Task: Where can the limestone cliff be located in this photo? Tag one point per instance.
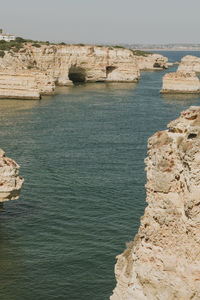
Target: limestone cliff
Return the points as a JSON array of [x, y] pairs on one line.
[[65, 64], [152, 62], [181, 82], [10, 181], [163, 261], [18, 85], [190, 63]]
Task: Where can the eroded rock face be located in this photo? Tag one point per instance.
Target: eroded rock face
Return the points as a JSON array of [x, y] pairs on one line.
[[190, 63], [67, 64], [10, 181], [18, 85], [152, 62], [181, 82], [163, 261]]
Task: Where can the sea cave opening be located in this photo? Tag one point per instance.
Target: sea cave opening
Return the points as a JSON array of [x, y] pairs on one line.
[[157, 65], [77, 74], [109, 69]]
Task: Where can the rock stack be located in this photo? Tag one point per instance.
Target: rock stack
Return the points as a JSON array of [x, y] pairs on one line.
[[163, 261], [190, 63], [181, 82], [185, 80], [10, 181]]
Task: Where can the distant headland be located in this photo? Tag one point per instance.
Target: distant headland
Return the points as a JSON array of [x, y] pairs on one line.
[[165, 47], [30, 69]]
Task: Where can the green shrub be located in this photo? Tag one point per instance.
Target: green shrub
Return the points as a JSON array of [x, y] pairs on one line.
[[2, 53], [140, 52], [15, 49], [20, 40], [36, 45], [118, 46], [7, 46]]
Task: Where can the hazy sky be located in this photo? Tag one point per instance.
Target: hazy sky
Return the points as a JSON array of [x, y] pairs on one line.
[[103, 21]]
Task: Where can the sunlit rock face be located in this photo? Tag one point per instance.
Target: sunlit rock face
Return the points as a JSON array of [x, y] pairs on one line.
[[10, 181], [163, 261], [190, 63], [68, 63], [181, 82], [51, 65], [18, 85]]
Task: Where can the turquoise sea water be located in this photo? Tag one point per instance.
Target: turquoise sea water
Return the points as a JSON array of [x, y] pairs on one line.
[[81, 153]]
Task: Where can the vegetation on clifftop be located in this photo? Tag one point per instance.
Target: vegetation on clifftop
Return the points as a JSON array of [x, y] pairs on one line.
[[135, 52], [140, 52], [12, 45], [2, 53], [19, 42]]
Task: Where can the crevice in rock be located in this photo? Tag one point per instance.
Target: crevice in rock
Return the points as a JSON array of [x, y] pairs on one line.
[[192, 135], [110, 69]]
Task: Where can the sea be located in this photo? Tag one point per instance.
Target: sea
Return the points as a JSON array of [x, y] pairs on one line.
[[81, 153]]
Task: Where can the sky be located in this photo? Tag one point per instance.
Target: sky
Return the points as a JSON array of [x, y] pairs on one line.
[[103, 21]]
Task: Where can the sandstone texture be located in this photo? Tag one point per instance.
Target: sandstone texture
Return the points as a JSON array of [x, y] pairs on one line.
[[152, 62], [49, 65], [10, 181], [189, 63], [163, 261], [18, 85], [181, 82]]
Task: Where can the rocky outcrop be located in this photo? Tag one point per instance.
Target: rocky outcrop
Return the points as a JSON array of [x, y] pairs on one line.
[[163, 261], [181, 82], [67, 64], [190, 63], [152, 62], [10, 181]]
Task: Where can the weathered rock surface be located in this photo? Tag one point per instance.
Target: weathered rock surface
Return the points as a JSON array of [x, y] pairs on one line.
[[64, 64], [18, 85], [163, 261], [181, 82], [10, 181], [190, 63], [170, 64], [152, 62]]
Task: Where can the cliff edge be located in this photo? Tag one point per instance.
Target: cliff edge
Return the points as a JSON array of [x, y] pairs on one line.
[[163, 261]]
